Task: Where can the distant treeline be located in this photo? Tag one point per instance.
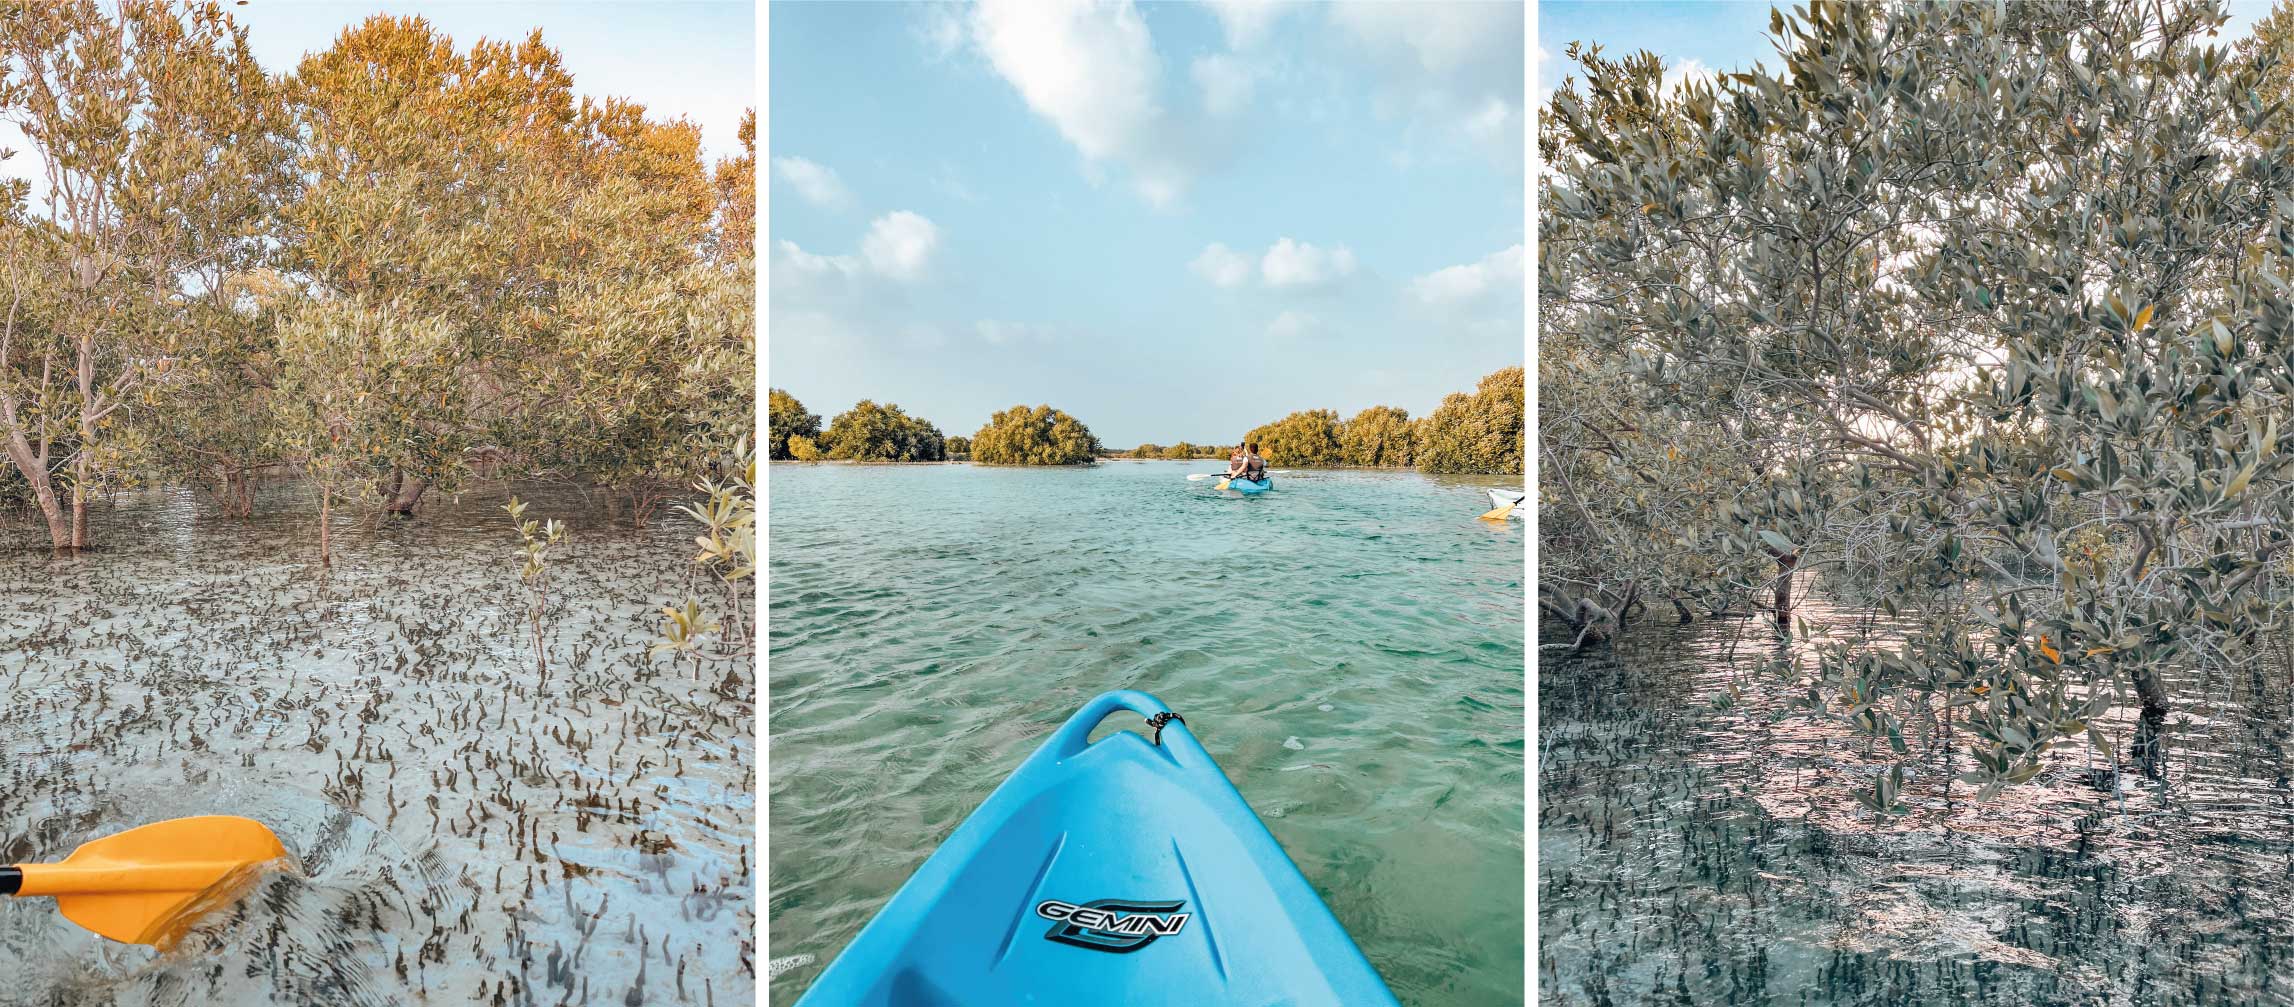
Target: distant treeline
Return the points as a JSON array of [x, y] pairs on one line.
[[869, 432], [1179, 451], [1478, 432]]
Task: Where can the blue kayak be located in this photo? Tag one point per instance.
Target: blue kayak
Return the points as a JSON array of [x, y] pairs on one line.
[[1121, 871], [1249, 487]]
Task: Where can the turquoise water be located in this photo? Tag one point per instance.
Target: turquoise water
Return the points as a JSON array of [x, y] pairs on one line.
[[1350, 647]]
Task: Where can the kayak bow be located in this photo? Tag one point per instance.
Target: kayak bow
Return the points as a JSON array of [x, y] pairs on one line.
[[1117, 871]]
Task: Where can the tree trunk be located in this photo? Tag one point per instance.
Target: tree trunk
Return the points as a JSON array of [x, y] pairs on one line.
[[2150, 724], [35, 472], [238, 492], [80, 466], [326, 521], [59, 533], [642, 503], [1587, 622], [403, 505], [230, 490], [1784, 568], [79, 507]]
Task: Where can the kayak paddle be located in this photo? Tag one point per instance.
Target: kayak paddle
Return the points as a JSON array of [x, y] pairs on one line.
[[148, 884], [1500, 513]]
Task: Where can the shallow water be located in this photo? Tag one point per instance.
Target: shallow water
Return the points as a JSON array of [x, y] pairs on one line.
[[467, 830], [1700, 854], [1348, 646]]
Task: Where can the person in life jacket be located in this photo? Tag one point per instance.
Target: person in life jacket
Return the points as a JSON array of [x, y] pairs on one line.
[[1246, 463]]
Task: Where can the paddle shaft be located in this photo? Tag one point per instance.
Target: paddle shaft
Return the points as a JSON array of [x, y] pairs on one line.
[[72, 879]]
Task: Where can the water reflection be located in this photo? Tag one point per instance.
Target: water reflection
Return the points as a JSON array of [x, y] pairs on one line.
[[1707, 851]]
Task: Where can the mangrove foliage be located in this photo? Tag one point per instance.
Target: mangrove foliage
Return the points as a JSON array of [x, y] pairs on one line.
[[404, 264], [1979, 314]]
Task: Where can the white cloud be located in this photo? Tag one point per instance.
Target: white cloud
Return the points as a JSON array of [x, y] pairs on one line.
[[1290, 325], [1226, 83], [1456, 65], [1497, 121], [1088, 68], [899, 245], [1160, 188], [1443, 38], [1288, 263], [1497, 273], [1298, 264], [1222, 266], [1683, 73], [1093, 76], [1246, 21], [817, 183], [942, 30], [799, 263], [1007, 333]]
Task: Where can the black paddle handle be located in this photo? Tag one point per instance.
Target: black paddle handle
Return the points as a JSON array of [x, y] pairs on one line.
[[11, 879]]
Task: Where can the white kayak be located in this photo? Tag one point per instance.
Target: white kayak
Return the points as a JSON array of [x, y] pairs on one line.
[[1501, 497]]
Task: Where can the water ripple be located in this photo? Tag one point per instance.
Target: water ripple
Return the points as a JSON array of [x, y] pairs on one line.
[[929, 623], [466, 831]]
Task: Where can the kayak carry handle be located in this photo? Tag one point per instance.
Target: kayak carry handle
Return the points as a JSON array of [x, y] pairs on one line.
[[1075, 735]]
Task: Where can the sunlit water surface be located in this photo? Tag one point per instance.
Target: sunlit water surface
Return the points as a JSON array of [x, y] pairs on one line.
[[1695, 853], [467, 830], [1349, 647]]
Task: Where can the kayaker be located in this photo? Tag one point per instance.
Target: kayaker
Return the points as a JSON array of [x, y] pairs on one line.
[[1246, 463]]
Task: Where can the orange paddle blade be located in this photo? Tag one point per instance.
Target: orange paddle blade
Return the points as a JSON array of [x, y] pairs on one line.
[[149, 884]]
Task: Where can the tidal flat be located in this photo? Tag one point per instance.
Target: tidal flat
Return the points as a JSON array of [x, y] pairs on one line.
[[467, 827]]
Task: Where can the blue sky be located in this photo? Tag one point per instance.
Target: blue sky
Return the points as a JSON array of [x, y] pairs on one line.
[[1175, 221], [1699, 37], [683, 59]]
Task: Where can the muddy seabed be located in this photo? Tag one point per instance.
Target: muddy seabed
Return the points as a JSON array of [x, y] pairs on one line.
[[467, 828]]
